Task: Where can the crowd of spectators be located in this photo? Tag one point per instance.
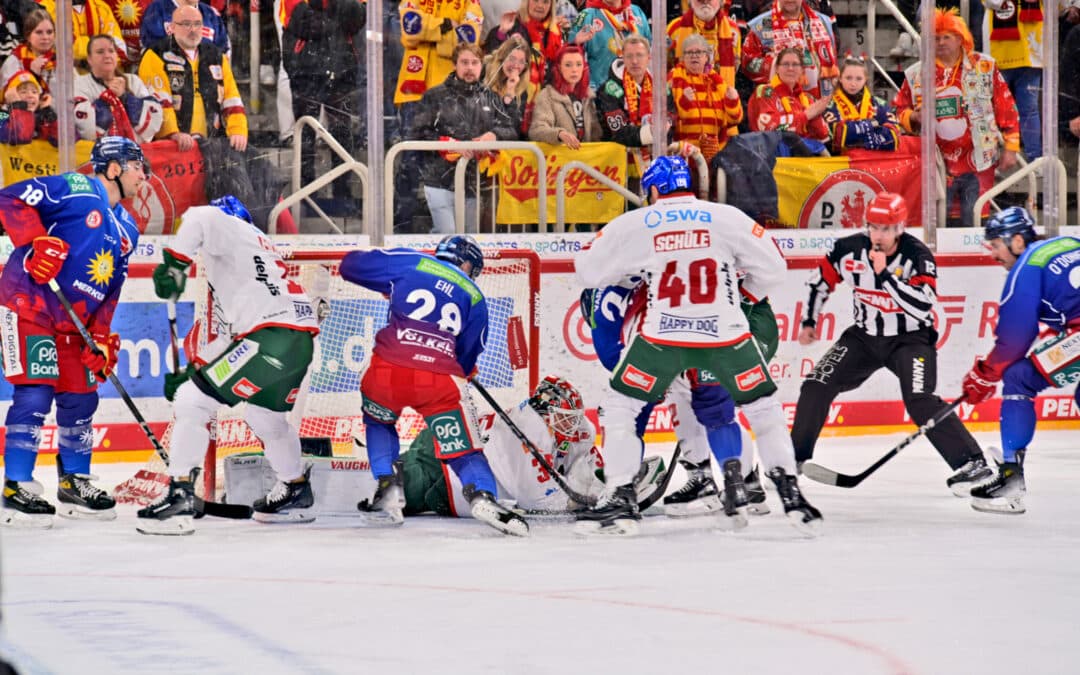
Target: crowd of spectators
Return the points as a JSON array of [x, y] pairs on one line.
[[563, 72]]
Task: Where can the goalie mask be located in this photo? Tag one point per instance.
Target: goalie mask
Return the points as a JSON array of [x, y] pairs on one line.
[[561, 406]]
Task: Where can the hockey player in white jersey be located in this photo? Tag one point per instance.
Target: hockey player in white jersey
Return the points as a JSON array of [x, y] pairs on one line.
[[553, 419], [262, 353], [686, 315]]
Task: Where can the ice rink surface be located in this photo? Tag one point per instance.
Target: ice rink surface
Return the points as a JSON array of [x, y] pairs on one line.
[[906, 579]]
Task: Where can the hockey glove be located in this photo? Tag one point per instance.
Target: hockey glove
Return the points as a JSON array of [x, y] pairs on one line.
[[980, 383], [174, 380], [46, 259], [102, 360], [170, 277]]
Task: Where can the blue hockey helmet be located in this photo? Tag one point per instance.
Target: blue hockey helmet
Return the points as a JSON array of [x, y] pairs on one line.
[[667, 173], [108, 149], [459, 249], [1013, 220], [232, 206]]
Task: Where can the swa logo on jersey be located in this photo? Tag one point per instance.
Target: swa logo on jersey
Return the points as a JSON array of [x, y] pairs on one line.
[[655, 218], [681, 241]]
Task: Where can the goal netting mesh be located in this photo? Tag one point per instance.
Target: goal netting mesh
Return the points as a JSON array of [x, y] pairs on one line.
[[328, 408]]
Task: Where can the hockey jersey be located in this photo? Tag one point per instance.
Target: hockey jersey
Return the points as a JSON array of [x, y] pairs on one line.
[[241, 260], [438, 317], [690, 253], [899, 300], [1042, 287], [75, 208]]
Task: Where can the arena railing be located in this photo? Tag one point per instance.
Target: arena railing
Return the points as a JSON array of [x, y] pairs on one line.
[[302, 193], [1029, 172]]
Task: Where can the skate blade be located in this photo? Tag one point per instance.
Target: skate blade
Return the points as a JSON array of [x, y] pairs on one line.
[[489, 514], [810, 529], [698, 507], [381, 519], [625, 527], [734, 522], [759, 509], [76, 512], [962, 489], [177, 526], [291, 516], [1012, 506], [25, 521]]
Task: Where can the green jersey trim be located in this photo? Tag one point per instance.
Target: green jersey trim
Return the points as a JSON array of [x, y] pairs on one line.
[[453, 276]]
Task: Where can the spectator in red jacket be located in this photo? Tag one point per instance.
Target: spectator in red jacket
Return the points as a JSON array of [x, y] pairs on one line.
[[27, 112], [782, 105]]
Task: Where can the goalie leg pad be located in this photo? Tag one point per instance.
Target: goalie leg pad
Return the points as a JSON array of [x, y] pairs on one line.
[[74, 412]]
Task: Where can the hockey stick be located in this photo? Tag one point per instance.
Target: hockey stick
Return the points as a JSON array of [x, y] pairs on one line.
[[237, 511], [573, 494], [664, 482], [173, 339], [830, 477]]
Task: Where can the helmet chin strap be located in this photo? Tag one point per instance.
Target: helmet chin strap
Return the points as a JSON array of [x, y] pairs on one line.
[[119, 185]]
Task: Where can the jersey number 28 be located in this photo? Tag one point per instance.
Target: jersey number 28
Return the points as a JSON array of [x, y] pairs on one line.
[[449, 319]]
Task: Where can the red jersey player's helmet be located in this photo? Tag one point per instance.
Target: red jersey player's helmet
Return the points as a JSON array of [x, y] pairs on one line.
[[887, 208], [561, 406]]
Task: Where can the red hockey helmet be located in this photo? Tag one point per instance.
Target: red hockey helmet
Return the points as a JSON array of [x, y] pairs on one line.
[[887, 208], [561, 406]]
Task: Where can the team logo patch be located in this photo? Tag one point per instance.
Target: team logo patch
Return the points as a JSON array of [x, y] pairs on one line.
[[638, 379], [41, 360], [245, 388], [411, 23], [215, 72], [93, 219], [855, 266], [415, 64], [101, 268], [750, 379], [466, 33], [450, 433], [758, 231]]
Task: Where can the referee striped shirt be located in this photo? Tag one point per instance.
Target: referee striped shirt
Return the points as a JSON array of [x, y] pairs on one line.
[[897, 301]]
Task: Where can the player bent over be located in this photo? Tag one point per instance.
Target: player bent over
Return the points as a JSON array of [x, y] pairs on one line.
[[688, 253], [262, 361], [1043, 286], [436, 331], [894, 279], [70, 228], [553, 418]]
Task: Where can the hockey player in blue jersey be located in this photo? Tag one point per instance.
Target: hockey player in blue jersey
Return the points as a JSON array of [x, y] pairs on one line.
[[1043, 286], [71, 228], [437, 327]]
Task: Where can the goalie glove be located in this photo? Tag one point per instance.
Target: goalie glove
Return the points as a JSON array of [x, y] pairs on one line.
[[170, 277], [47, 257], [100, 358]]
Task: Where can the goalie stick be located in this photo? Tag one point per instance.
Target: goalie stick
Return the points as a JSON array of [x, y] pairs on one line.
[[829, 477], [236, 511]]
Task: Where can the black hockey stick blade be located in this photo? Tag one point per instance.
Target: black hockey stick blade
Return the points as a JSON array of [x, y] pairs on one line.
[[664, 482], [220, 510], [827, 476]]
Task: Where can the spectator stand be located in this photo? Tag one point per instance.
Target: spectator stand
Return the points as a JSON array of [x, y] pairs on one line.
[[303, 193]]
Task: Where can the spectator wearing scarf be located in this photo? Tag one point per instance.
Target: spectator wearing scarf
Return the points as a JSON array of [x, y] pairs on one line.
[[430, 31], [601, 28], [625, 101], [792, 23], [857, 118], [783, 105], [565, 110], [109, 102], [90, 17], [709, 19], [706, 105], [36, 54], [537, 24]]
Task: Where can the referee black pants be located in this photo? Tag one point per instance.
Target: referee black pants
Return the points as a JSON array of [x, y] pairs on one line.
[[912, 357]]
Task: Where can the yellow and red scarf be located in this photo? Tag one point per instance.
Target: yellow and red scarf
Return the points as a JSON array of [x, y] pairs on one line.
[[1005, 23], [807, 30]]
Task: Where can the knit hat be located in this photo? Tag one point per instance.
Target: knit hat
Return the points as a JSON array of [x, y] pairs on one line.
[[20, 78], [950, 21]]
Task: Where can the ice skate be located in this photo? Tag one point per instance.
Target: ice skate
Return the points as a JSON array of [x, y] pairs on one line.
[[80, 500], [755, 494], [487, 510], [734, 497], [24, 509], [698, 496], [172, 514], [802, 515], [287, 503], [615, 514], [972, 473], [387, 507], [1004, 492]]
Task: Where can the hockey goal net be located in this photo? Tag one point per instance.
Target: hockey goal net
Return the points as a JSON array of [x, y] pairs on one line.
[[328, 408]]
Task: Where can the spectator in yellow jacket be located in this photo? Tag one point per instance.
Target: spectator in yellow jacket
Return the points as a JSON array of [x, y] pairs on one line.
[[90, 18]]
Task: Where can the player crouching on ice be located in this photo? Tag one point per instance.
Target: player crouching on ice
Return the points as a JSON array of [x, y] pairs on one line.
[[72, 231], [689, 254], [262, 362], [435, 333], [1043, 286], [553, 419]]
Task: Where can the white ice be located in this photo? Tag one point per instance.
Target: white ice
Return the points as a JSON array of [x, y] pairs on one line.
[[906, 579]]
